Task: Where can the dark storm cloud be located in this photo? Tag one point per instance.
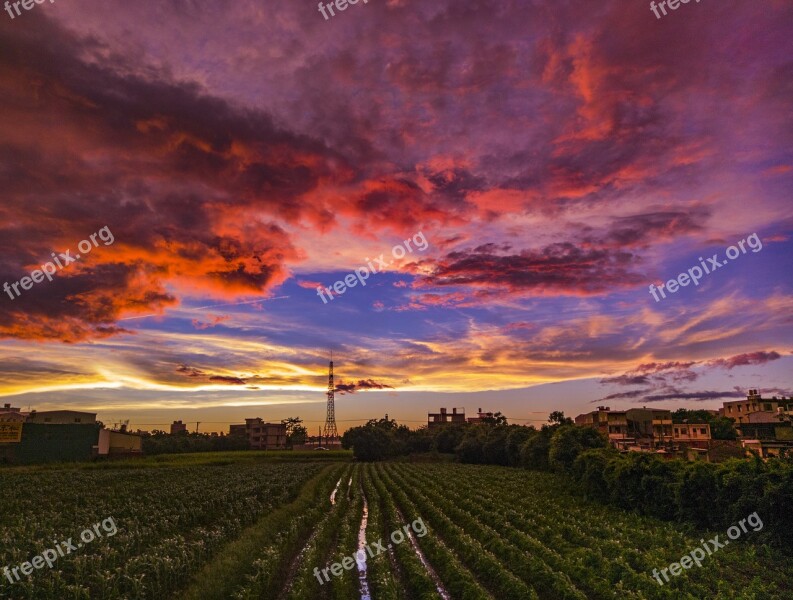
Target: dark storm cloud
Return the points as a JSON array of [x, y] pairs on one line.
[[561, 268], [362, 384], [699, 396], [184, 165]]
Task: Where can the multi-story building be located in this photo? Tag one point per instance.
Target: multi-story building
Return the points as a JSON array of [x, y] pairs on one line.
[[445, 418], [261, 435], [617, 424], [651, 427], [767, 433], [765, 425], [178, 427], [741, 409], [635, 428], [596, 418], [693, 435]]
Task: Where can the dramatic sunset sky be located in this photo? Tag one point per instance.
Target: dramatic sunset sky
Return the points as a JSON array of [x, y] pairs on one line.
[[558, 157]]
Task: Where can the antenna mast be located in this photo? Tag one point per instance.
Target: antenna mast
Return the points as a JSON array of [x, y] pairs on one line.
[[330, 420]]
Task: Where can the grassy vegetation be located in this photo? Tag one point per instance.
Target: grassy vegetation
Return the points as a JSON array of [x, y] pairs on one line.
[[275, 537], [194, 459], [249, 525]]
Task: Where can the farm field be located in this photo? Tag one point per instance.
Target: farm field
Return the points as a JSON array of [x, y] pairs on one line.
[[248, 526]]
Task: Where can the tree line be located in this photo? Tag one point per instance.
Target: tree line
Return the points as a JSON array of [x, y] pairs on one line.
[[706, 495]]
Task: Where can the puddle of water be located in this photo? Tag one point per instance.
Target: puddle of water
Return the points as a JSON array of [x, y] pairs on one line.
[[363, 584], [333, 494], [430, 571]]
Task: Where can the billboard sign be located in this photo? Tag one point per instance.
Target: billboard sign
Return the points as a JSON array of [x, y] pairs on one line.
[[10, 432]]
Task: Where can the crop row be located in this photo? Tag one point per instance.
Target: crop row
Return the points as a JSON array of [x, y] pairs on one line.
[[170, 522], [564, 547]]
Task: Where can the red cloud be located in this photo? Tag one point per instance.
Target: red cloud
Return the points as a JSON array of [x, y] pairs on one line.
[[211, 323], [740, 360]]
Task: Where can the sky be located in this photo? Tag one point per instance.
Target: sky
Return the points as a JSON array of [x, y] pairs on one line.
[[508, 179]]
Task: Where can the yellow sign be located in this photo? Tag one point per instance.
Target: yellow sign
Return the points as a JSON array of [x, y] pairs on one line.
[[10, 432]]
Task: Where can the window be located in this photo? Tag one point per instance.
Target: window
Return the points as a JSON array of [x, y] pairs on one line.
[[703, 431], [677, 431]]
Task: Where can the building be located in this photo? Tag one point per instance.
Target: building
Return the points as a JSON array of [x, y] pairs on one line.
[[261, 435], [480, 417], [597, 419], [768, 448], [633, 429], [12, 414], [741, 409], [118, 444], [612, 423], [178, 427], [651, 427], [60, 435], [617, 423], [45, 442], [778, 430], [765, 425], [692, 435], [445, 418], [62, 417]]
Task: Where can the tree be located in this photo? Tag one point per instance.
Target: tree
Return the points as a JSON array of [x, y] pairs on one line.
[[721, 428], [568, 441], [495, 446], [384, 422], [369, 442], [517, 436], [449, 437], [557, 418], [296, 433], [534, 452], [497, 419], [470, 448]]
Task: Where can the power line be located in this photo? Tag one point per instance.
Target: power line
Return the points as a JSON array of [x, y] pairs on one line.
[[362, 419]]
